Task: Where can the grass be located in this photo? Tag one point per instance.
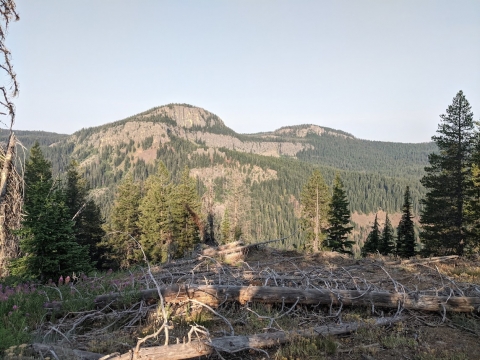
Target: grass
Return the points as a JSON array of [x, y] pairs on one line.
[[307, 348], [467, 322], [22, 305], [467, 273], [445, 355]]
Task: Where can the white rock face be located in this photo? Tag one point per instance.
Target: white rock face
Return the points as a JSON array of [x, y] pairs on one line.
[[185, 116]]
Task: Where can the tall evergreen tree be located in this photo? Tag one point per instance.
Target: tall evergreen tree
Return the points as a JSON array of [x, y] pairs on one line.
[[85, 213], [186, 210], [225, 232], [123, 224], [473, 205], [155, 220], [47, 239], [238, 205], [405, 230], [373, 239], [387, 241], [339, 219], [315, 200], [208, 198], [448, 181]]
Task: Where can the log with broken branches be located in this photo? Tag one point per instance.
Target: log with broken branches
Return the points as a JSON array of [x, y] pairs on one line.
[[237, 247], [422, 261], [214, 295], [233, 344]]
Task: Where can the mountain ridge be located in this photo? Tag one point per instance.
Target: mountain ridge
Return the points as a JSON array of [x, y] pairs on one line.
[[271, 167]]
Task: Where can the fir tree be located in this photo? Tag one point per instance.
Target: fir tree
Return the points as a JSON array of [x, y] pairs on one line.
[[387, 241], [123, 224], [186, 207], [155, 219], [448, 182], [47, 239], [339, 219], [473, 204], [315, 200], [373, 240], [38, 176], [208, 198], [225, 232], [85, 213], [405, 230]]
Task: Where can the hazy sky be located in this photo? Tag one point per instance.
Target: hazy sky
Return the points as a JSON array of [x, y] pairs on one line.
[[381, 70]]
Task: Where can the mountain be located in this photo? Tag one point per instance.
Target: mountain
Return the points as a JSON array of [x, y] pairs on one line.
[[269, 167], [28, 138]]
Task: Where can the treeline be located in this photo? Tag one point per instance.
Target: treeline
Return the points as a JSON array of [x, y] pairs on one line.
[[62, 228], [161, 216], [160, 212], [386, 158], [28, 138], [274, 203], [450, 217]]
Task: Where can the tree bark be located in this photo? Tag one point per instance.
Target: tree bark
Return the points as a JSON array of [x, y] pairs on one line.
[[214, 295]]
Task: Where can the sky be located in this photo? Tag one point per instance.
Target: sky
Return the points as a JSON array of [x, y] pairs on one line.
[[381, 70]]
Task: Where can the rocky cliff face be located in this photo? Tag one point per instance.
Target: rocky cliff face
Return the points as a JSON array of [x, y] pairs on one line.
[[185, 116], [303, 130], [195, 125], [267, 148]]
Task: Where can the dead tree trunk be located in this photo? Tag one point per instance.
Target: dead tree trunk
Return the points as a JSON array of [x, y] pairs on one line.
[[8, 246], [233, 344], [214, 295]]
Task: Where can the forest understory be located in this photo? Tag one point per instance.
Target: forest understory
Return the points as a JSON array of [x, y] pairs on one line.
[[242, 302]]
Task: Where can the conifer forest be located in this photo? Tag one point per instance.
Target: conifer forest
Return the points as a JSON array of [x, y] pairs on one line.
[[189, 193]]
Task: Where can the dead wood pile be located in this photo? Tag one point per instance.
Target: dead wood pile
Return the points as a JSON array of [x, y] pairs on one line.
[[233, 344], [294, 283]]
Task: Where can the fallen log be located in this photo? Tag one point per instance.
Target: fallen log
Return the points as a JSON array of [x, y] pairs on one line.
[[422, 261], [64, 353], [235, 247], [233, 344], [214, 295]]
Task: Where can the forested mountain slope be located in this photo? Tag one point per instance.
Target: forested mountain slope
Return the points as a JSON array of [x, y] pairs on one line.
[[28, 138], [261, 174], [343, 151]]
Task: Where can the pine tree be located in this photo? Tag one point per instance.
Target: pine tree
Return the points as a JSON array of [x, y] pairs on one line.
[[47, 239], [85, 213], [373, 239], [225, 232], [123, 225], [405, 230], [186, 207], [448, 181], [315, 200], [38, 176], [238, 204], [339, 219], [155, 219], [387, 241], [208, 198], [473, 204]]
